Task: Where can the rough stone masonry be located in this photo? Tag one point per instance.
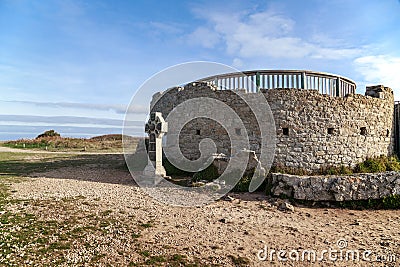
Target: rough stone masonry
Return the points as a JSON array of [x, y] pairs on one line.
[[313, 130], [336, 188]]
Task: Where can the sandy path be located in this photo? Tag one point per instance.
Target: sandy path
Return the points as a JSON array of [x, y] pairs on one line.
[[17, 150], [240, 227]]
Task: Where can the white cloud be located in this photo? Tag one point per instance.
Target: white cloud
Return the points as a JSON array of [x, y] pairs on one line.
[[168, 28], [120, 109], [380, 69], [204, 37], [237, 63], [268, 34], [24, 119]]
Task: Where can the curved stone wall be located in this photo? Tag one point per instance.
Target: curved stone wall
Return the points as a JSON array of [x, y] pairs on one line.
[[312, 130]]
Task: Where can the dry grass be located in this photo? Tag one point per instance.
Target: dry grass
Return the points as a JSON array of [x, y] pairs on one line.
[[105, 143]]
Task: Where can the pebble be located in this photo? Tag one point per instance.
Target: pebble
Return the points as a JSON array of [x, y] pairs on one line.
[[284, 206]]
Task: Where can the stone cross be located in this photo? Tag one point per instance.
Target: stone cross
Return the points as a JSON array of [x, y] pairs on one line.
[[156, 127]]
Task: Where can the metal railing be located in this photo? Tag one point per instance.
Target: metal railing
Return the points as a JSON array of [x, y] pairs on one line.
[[253, 81]]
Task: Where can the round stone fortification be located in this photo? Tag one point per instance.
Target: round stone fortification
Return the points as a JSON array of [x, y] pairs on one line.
[[312, 130]]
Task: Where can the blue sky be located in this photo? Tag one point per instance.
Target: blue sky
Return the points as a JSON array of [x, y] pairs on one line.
[[87, 58]]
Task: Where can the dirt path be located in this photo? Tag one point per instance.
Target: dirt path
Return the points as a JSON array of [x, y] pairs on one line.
[[17, 150], [226, 233]]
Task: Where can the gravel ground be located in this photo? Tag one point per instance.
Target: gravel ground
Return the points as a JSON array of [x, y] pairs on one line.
[[229, 232]]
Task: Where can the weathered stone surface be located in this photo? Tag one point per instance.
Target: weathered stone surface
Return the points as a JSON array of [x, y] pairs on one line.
[[322, 130], [156, 127], [336, 188]]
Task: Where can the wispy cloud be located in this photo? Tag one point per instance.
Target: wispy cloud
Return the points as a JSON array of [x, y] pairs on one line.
[[165, 27], [28, 126], [117, 108], [60, 120], [265, 34], [205, 37], [383, 69]]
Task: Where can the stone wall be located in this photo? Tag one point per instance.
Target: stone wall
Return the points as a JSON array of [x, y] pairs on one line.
[[336, 188], [312, 130], [326, 130]]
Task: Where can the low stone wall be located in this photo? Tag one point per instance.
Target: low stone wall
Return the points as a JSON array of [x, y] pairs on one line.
[[336, 188]]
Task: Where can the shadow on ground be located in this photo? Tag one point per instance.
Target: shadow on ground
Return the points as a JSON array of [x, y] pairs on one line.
[[105, 168], [102, 168]]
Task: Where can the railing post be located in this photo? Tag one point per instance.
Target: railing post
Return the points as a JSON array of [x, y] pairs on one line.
[[338, 86], [258, 82], [303, 80]]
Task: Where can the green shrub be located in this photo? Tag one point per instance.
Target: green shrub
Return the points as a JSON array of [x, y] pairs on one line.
[[333, 170], [49, 133], [370, 165], [171, 170], [208, 174], [243, 184], [388, 202], [378, 164], [391, 202], [288, 170], [392, 164], [361, 204]]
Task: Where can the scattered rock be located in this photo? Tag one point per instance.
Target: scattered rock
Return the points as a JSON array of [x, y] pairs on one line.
[[384, 244], [284, 206], [356, 222], [198, 184], [228, 198], [213, 186]]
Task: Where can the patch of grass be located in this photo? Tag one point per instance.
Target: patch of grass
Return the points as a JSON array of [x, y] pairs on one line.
[[108, 143], [370, 165], [362, 204], [146, 225], [388, 202], [279, 168], [239, 261], [243, 184], [172, 260], [135, 235], [25, 237], [178, 257], [208, 174], [155, 259], [391, 202], [97, 257], [145, 253], [334, 170], [106, 212], [171, 170], [59, 245], [378, 164], [23, 164]]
